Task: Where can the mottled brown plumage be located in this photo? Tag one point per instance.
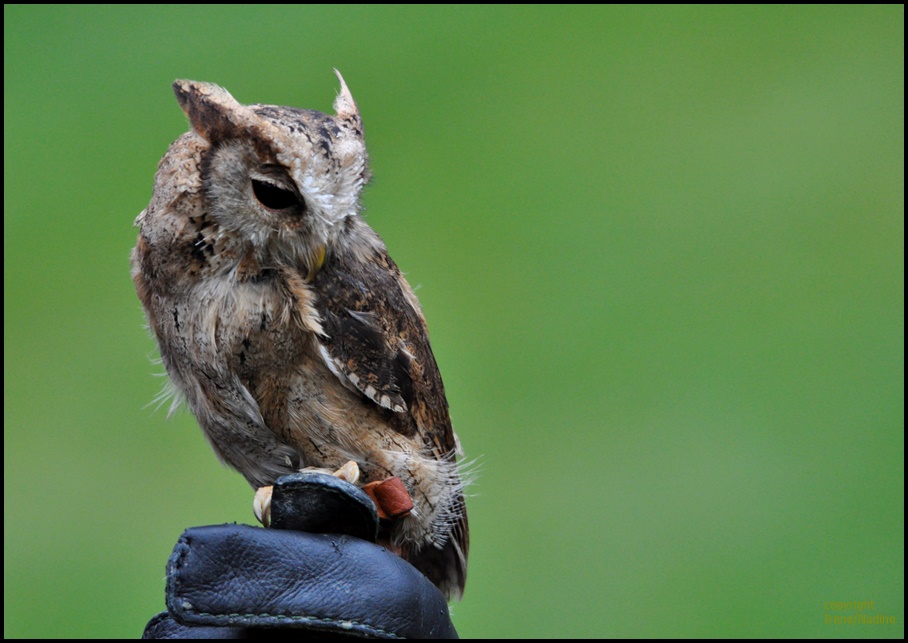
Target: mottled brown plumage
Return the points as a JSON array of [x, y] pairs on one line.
[[283, 321]]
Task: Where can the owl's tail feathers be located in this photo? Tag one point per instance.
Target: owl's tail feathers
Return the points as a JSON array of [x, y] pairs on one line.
[[446, 566]]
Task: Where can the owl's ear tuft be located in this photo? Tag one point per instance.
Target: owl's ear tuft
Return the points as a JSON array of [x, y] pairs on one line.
[[344, 105], [213, 113]]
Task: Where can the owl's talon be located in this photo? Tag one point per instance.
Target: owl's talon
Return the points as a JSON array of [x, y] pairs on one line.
[[261, 505], [348, 473]]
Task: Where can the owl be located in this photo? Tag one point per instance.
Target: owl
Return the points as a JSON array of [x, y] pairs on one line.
[[283, 322]]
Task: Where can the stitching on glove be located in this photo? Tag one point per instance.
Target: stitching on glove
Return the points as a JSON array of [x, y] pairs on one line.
[[185, 546], [280, 618]]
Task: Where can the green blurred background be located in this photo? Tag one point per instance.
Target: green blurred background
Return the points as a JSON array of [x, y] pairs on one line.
[[660, 250]]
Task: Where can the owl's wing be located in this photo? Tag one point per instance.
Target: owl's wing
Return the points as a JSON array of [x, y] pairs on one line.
[[375, 338]]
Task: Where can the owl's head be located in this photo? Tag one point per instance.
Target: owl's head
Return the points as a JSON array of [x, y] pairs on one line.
[[279, 176]]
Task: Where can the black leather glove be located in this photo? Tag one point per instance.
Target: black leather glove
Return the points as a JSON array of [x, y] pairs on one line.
[[314, 570]]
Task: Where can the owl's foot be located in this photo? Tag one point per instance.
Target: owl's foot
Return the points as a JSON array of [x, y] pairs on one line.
[[261, 505], [390, 496]]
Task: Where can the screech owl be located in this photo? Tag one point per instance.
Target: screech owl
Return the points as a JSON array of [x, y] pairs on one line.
[[284, 323]]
